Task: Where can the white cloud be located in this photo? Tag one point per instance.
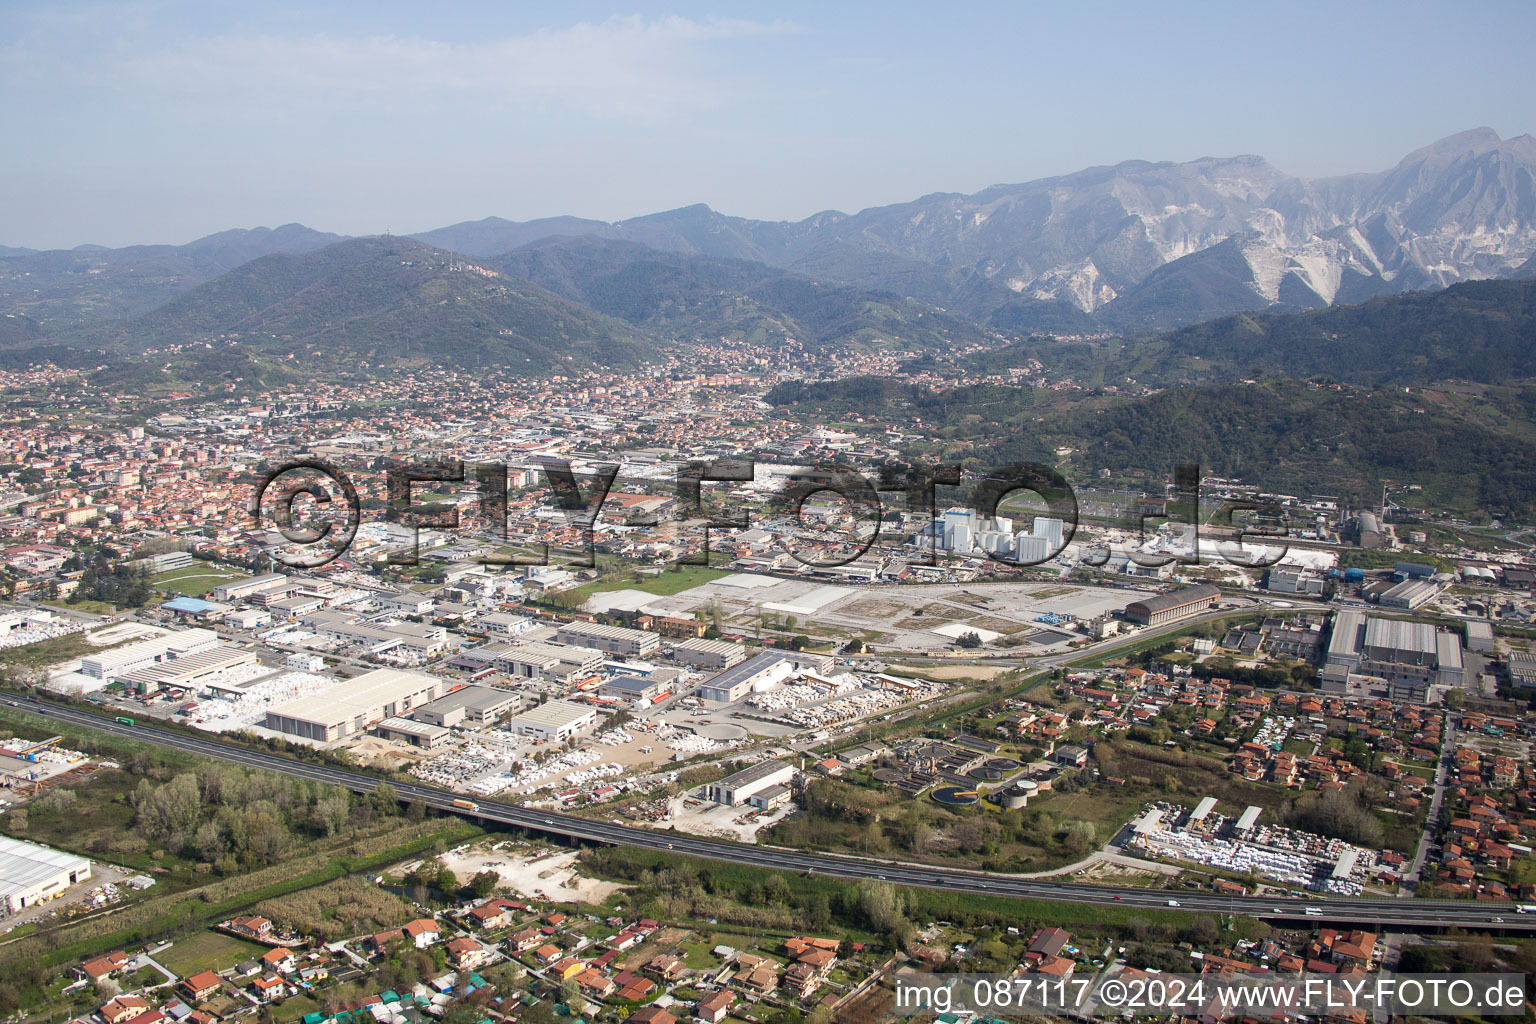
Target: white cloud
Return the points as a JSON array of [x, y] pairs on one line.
[[624, 67]]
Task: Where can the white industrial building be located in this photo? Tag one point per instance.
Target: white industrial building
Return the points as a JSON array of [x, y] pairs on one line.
[[1409, 656], [765, 670], [620, 640], [711, 655], [236, 589], [477, 705], [558, 662], [763, 781], [351, 707], [120, 661], [30, 874], [554, 720]]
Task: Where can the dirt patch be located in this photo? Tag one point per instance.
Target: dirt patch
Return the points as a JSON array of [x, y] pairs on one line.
[[549, 875], [1119, 874], [945, 673]]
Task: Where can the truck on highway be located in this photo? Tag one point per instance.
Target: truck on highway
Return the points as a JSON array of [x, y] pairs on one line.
[[125, 721], [467, 805], [1526, 908]]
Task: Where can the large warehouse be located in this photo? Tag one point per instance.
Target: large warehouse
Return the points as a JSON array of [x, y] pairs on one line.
[[757, 780], [30, 873], [119, 661], [1410, 656], [350, 707], [766, 669], [554, 720], [712, 655], [477, 705], [1180, 604], [620, 640]]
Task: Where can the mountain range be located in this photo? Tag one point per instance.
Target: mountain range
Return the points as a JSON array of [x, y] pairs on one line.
[[1123, 250], [1136, 245]]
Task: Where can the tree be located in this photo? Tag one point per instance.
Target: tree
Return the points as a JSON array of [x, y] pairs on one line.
[[484, 883], [386, 799], [333, 810], [570, 995], [969, 641]]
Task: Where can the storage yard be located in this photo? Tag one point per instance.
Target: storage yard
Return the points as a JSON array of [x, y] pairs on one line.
[[1282, 856]]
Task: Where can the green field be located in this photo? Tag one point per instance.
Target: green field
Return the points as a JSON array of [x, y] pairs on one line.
[[208, 951], [194, 580], [663, 584], [49, 652]]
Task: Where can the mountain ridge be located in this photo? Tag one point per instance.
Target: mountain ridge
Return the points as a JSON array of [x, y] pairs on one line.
[[1121, 247]]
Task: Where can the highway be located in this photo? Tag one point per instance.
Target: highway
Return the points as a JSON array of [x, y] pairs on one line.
[[1373, 913]]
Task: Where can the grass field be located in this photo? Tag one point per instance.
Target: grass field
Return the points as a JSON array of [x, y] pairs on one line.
[[662, 584], [211, 951], [49, 652], [194, 580]]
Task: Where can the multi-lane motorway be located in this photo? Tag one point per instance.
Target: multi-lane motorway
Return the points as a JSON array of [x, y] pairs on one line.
[[1379, 913]]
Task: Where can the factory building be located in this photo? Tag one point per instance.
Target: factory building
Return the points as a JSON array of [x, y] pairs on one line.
[[1293, 580], [763, 781], [417, 734], [554, 720], [188, 671], [30, 874], [477, 705], [349, 708], [412, 637], [237, 589], [640, 691], [710, 655], [1480, 636], [118, 662], [1369, 530], [1409, 594], [1180, 604], [1397, 642], [557, 662], [503, 624], [1347, 639], [1409, 656], [766, 669], [620, 640]]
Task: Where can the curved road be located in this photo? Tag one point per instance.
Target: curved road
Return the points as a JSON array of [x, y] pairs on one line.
[[1398, 914]]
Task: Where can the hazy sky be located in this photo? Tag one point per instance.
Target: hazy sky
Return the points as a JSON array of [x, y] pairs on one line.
[[161, 121]]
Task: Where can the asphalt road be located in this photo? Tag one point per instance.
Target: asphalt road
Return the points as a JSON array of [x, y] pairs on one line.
[[1378, 913]]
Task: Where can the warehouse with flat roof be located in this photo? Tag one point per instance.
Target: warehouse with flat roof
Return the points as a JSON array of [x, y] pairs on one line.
[[766, 668], [554, 720], [1406, 643], [749, 782], [30, 874], [118, 662], [1171, 607], [417, 734], [190, 671], [350, 707], [557, 662], [1347, 639], [711, 655], [1409, 594], [620, 640], [477, 705]]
